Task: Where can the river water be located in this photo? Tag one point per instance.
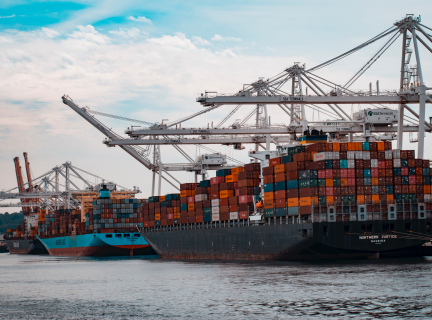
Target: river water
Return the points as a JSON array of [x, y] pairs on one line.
[[45, 287]]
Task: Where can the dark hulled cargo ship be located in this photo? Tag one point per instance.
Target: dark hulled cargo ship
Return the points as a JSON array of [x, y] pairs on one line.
[[321, 201]]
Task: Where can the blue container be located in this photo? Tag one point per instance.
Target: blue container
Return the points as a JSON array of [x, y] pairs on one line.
[[183, 206], [405, 180], [397, 171], [404, 163], [398, 197], [286, 159], [343, 164], [163, 204], [329, 164], [411, 172], [220, 173], [427, 180], [367, 181], [426, 171], [281, 212], [367, 173], [207, 218], [346, 209], [269, 213], [157, 223], [168, 203], [173, 196], [269, 187], [205, 183], [292, 184], [278, 186], [389, 189], [256, 190], [293, 211], [365, 146], [375, 190]]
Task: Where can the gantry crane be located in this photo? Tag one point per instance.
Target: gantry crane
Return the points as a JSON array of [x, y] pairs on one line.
[[294, 90]]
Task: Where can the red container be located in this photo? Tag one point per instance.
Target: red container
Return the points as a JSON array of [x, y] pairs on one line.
[[321, 174], [351, 173], [374, 172], [381, 164], [344, 173], [329, 191], [329, 173], [404, 171], [274, 161], [280, 203], [243, 215], [360, 181], [246, 199], [351, 182], [293, 193], [412, 179]]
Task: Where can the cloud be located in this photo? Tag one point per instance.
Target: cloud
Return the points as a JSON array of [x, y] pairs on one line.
[[7, 17], [218, 37], [140, 19], [132, 33], [200, 41]]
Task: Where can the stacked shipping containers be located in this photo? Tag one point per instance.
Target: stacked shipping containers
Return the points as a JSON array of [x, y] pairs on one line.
[[343, 173]]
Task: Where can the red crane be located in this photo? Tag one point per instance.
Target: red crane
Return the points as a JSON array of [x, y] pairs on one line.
[[20, 180], [29, 180]]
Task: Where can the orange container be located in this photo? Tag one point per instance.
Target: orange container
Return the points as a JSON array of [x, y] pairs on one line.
[[375, 198], [336, 146], [305, 201], [344, 182], [330, 199], [231, 178], [329, 182], [374, 181], [314, 200], [237, 170], [186, 193], [176, 210], [268, 204], [279, 168], [351, 146], [390, 198], [191, 206], [380, 146], [163, 198], [293, 202], [360, 199], [157, 216], [427, 189], [279, 177], [268, 196], [358, 146], [226, 193]]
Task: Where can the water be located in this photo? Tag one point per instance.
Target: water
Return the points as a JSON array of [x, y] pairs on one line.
[[44, 287]]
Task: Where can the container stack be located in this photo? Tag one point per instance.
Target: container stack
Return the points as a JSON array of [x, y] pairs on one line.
[[202, 201], [187, 202], [343, 173], [172, 208]]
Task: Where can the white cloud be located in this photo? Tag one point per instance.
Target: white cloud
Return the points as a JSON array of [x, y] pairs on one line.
[[7, 17], [218, 37], [132, 33], [200, 41], [140, 19]]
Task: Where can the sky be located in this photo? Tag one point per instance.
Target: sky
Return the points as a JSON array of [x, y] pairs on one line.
[[149, 60]]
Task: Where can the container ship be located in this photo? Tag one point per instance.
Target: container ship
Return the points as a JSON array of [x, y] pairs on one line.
[[109, 228], [322, 200]]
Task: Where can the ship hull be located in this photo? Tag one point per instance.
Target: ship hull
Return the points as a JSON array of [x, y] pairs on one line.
[[97, 245], [26, 246], [308, 241]]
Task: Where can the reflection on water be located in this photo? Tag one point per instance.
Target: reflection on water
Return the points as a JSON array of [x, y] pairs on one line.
[[44, 287]]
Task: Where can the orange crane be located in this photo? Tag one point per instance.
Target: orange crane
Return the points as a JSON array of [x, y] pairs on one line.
[[20, 180], [29, 180]]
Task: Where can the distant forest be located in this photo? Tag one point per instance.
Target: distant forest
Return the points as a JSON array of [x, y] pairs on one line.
[[10, 221]]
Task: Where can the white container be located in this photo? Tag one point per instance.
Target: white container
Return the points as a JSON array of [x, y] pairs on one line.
[[396, 154], [396, 163], [215, 203], [200, 197], [427, 197], [234, 216], [216, 217], [215, 210], [366, 155], [320, 156], [374, 163], [336, 155], [359, 155], [388, 154], [350, 155], [329, 155], [351, 164]]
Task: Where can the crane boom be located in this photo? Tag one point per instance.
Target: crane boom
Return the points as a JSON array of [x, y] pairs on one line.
[[20, 182]]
